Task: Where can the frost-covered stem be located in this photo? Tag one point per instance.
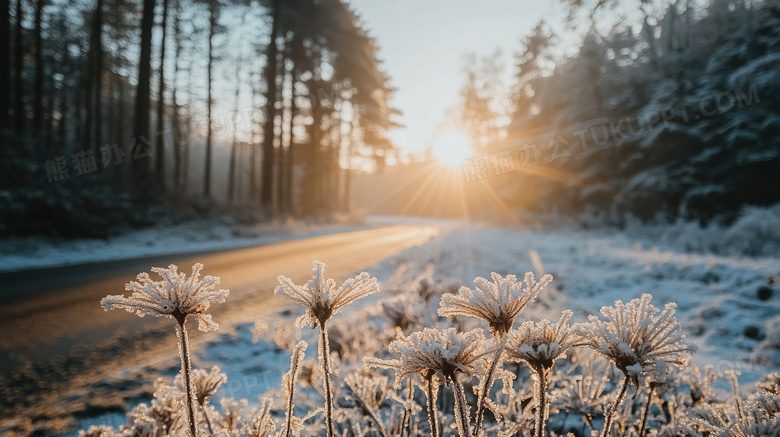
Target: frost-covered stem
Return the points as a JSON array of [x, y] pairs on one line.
[[289, 416], [612, 408], [646, 411], [208, 418], [732, 377], [406, 423], [487, 385], [541, 401], [186, 370], [461, 408], [430, 396], [298, 351], [325, 361]]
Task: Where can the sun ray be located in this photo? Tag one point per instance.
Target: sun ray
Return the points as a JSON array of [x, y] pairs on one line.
[[419, 191]]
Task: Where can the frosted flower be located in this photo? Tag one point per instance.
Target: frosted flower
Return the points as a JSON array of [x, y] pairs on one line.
[[498, 302], [402, 311], [435, 352], [583, 395], [166, 414], [755, 424], [175, 296], [320, 296], [206, 383], [770, 383], [370, 387], [232, 410], [541, 343], [700, 383], [262, 424], [98, 431], [723, 422], [634, 338]]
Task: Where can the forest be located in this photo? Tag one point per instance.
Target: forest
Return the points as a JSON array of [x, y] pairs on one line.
[[664, 111], [105, 108]]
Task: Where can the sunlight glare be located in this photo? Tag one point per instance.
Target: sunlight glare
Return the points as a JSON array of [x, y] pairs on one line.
[[452, 147]]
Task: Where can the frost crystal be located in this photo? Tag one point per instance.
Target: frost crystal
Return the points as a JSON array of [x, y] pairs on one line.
[[320, 296], [635, 338], [175, 296], [498, 302], [436, 352], [541, 343]]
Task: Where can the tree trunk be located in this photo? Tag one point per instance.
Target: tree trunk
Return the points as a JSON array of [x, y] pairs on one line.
[[234, 144], [279, 139], [62, 129], [5, 61], [142, 98], [38, 84], [177, 144], [19, 116], [266, 194], [346, 206], [159, 134], [96, 74], [254, 192], [650, 35], [212, 29], [289, 163]]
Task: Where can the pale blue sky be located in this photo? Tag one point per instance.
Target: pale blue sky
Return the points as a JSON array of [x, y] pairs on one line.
[[422, 45]]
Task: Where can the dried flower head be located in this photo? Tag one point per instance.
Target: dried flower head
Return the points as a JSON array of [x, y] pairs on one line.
[[402, 311], [320, 296], [541, 343], [435, 352], [770, 383], [371, 388], [498, 302], [634, 338], [165, 415], [583, 395], [232, 412], [206, 383], [175, 296], [262, 423], [98, 431]]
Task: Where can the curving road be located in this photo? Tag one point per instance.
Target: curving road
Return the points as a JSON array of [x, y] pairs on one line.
[[56, 338]]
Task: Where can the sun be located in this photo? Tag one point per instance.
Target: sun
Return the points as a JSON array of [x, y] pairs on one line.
[[452, 147]]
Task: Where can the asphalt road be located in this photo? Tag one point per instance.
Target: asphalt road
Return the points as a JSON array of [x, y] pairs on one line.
[[55, 338]]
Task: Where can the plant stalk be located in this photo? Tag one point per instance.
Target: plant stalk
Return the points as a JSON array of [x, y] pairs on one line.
[[612, 408], [406, 423], [461, 408], [487, 385], [208, 419], [541, 401], [186, 370], [433, 421], [325, 358], [646, 411]]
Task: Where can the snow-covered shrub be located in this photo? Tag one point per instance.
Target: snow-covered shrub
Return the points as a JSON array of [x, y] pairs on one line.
[[755, 232]]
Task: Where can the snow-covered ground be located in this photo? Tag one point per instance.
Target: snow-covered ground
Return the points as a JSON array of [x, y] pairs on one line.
[[190, 237], [719, 304]]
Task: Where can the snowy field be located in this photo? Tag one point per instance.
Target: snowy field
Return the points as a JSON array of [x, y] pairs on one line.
[[727, 305]]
